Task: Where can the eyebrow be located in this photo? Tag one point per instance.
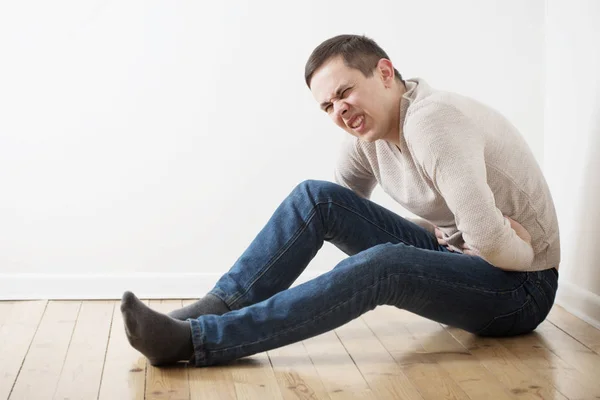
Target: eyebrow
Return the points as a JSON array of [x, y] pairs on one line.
[[338, 92]]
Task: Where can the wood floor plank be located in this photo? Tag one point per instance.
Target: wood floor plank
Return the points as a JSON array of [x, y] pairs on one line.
[[21, 321], [297, 376], [575, 354], [577, 328], [340, 376], [82, 370], [535, 352], [5, 310], [254, 378], [213, 383], [167, 382], [566, 379], [124, 374], [40, 372], [462, 366], [248, 378], [424, 371], [56, 350], [378, 367], [507, 367]]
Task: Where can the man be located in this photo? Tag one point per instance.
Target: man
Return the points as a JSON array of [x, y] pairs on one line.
[[460, 165]]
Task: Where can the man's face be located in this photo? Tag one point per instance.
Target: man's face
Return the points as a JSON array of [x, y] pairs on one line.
[[359, 105]]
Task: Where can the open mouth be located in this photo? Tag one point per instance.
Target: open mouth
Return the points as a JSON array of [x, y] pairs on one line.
[[357, 122]]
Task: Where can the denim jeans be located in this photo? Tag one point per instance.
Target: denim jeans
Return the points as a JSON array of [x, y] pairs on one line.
[[391, 261]]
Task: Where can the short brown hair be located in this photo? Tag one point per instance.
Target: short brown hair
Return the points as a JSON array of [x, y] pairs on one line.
[[358, 52]]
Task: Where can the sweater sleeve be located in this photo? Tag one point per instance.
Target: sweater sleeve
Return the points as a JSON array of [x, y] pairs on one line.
[[451, 152], [423, 223], [351, 171]]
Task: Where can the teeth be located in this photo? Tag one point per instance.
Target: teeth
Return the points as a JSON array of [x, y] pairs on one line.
[[357, 122]]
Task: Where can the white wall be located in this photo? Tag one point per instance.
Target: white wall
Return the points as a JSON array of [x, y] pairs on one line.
[[572, 145], [144, 144]]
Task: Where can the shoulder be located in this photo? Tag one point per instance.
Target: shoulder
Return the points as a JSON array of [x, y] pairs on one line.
[[438, 123], [438, 126], [435, 109], [438, 116]]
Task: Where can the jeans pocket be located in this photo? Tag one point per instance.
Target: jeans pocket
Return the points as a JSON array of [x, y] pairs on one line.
[[514, 323]]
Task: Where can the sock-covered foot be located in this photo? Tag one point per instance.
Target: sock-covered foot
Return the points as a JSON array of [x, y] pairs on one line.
[[162, 339], [209, 304]]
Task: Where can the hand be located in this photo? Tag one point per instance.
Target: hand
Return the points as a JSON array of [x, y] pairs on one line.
[[440, 237], [466, 249], [520, 231]]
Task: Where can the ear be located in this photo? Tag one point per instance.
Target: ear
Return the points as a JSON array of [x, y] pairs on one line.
[[386, 71]]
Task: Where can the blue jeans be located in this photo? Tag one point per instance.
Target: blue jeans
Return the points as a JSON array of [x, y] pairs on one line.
[[391, 261]]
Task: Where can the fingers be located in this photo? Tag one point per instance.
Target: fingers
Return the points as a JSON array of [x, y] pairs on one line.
[[440, 237], [464, 248]]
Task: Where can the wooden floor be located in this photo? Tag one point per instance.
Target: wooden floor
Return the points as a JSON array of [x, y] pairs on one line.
[[78, 350]]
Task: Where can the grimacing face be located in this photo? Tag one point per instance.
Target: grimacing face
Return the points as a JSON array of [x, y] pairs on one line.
[[364, 107]]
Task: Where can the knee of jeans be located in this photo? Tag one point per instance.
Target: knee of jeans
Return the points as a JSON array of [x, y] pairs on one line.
[[375, 259], [401, 257], [390, 249], [313, 188]]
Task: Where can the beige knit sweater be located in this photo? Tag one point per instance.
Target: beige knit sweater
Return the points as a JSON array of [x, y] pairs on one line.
[[461, 166]]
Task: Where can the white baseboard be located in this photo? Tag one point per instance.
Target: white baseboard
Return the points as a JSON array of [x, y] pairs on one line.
[[579, 302], [112, 286]]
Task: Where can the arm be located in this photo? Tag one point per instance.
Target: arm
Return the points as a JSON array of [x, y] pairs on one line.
[[423, 223], [451, 152], [351, 172]]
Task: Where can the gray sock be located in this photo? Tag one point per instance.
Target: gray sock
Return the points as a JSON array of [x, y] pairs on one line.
[[162, 339], [209, 304]]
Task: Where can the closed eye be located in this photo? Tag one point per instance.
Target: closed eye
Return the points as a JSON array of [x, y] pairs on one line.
[[341, 95]]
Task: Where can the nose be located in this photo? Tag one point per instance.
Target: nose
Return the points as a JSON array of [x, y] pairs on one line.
[[340, 107]]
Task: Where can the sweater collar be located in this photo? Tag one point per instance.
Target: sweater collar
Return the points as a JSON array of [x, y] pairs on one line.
[[411, 86]]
